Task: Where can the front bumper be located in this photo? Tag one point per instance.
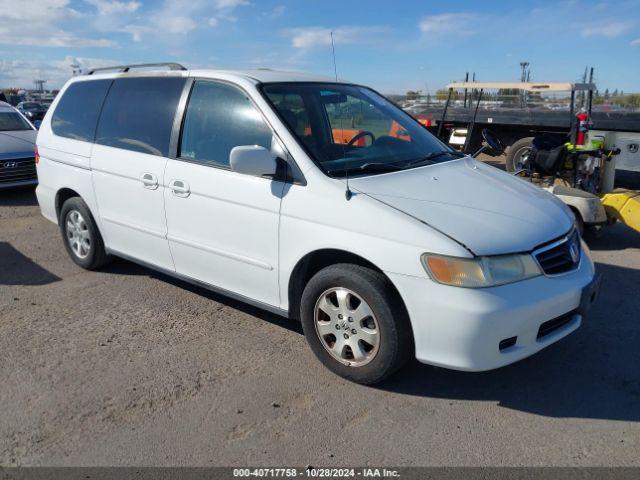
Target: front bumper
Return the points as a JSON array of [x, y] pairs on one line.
[[462, 328]]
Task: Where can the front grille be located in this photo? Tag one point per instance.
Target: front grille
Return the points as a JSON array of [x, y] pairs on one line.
[[16, 170], [560, 257], [554, 324]]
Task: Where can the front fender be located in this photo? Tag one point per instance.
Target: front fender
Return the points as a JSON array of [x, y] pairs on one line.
[[323, 219]]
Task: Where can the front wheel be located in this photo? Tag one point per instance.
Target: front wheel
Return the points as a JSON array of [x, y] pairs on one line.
[[355, 323]]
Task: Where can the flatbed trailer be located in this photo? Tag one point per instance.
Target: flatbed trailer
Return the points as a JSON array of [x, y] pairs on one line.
[[532, 120], [517, 126], [585, 151]]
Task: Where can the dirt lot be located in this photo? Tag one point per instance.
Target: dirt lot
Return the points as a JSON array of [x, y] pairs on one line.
[[128, 367]]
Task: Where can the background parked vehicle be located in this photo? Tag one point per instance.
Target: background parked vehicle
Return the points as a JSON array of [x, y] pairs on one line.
[[17, 143], [34, 111]]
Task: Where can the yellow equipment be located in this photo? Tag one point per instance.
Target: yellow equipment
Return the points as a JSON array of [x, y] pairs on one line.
[[623, 205]]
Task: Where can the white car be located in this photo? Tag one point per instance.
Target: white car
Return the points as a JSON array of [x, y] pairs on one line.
[[320, 201]]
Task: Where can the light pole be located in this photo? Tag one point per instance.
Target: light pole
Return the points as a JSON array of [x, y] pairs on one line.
[[523, 78]]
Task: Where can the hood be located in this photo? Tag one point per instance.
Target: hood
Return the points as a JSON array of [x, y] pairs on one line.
[[16, 144], [487, 210]]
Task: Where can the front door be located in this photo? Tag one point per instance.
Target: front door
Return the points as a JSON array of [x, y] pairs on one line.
[[223, 226]]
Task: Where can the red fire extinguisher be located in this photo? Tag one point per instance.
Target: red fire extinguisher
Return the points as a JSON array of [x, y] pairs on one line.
[[426, 120], [582, 117]]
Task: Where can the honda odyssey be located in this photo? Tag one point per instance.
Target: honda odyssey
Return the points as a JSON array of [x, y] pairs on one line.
[[318, 200]]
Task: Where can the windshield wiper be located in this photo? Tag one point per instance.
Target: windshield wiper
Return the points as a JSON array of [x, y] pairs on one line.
[[392, 167], [431, 156], [370, 167]]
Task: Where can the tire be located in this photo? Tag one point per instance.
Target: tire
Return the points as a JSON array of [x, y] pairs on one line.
[[81, 236], [515, 151], [374, 311]]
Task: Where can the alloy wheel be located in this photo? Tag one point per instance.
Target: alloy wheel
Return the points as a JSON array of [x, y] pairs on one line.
[[347, 327], [78, 234]]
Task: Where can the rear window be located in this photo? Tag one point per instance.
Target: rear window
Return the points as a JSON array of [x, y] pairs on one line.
[[12, 121], [76, 114], [138, 114]]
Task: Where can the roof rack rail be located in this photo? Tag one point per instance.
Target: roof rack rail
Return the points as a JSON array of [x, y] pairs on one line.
[[126, 68]]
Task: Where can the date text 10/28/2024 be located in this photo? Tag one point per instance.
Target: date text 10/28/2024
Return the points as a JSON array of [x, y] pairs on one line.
[[312, 472]]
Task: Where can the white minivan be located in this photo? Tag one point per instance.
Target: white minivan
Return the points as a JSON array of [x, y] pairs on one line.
[[318, 200]]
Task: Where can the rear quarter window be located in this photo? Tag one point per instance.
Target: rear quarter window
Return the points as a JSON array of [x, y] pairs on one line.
[[138, 114], [77, 112]]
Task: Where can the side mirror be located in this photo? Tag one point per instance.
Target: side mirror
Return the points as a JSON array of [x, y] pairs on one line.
[[252, 160], [493, 141]]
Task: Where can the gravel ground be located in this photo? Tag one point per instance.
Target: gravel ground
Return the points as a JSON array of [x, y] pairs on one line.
[[129, 367]]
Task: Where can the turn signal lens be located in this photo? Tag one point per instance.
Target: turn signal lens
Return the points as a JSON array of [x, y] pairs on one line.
[[480, 272], [455, 271], [37, 155]]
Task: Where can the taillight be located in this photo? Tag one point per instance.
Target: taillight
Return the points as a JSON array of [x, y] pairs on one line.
[[37, 155]]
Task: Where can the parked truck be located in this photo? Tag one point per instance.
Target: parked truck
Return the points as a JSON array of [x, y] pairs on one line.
[[529, 109]]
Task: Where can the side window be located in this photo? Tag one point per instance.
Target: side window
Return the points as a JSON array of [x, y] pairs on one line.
[[76, 114], [218, 118], [350, 116], [138, 114]]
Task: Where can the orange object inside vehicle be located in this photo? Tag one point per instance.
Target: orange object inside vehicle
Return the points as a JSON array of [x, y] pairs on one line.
[[344, 135], [398, 131]]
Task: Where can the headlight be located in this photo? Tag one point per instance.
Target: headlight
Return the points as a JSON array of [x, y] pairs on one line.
[[480, 272]]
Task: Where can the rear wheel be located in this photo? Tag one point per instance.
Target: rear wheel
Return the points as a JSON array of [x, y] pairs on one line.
[[81, 236], [355, 323], [518, 154]]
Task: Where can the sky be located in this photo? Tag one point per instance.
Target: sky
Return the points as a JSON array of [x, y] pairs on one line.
[[393, 46]]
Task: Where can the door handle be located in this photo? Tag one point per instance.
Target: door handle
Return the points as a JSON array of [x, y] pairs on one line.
[[149, 180], [180, 188]]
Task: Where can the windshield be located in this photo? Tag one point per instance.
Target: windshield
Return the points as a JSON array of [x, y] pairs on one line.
[[350, 129], [12, 121], [30, 105]]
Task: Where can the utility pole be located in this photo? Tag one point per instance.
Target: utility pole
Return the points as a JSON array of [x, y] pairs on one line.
[[473, 90], [39, 85], [523, 78], [590, 101], [583, 97], [523, 75], [466, 79]]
